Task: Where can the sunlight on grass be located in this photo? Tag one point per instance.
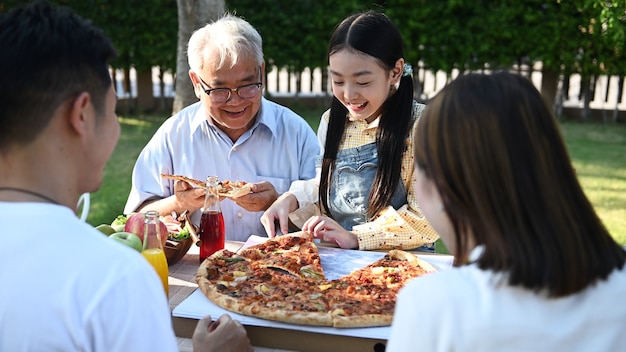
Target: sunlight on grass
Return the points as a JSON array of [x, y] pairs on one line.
[[598, 152], [134, 122], [608, 195]]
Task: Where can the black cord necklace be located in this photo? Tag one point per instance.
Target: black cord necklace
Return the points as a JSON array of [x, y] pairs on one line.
[[32, 193]]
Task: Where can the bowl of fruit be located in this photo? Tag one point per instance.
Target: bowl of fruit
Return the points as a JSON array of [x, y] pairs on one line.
[[181, 233]]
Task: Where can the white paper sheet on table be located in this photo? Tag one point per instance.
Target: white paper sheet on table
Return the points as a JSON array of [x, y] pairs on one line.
[[336, 263]]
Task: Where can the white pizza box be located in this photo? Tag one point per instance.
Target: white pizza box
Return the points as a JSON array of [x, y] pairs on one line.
[[336, 263]]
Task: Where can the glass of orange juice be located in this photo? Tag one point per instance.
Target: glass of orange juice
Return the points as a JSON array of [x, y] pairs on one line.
[[153, 248], [156, 257]]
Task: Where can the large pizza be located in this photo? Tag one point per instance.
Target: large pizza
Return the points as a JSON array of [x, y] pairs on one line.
[[282, 279]]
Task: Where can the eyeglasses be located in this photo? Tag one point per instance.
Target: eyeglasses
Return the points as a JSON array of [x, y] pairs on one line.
[[221, 95]]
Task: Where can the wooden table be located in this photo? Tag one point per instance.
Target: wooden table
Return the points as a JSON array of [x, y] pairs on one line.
[[182, 282]]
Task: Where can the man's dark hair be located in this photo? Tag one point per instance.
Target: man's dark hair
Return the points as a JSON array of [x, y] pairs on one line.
[[49, 55]]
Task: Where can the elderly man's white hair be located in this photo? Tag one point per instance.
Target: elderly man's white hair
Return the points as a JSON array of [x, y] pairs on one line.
[[233, 37]]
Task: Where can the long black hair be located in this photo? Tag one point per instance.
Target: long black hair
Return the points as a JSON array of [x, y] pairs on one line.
[[373, 34], [495, 153]]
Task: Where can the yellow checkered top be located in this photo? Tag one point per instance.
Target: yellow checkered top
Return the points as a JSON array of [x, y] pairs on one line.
[[405, 228]]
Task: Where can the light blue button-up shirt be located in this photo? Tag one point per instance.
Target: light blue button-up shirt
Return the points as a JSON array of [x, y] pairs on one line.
[[279, 148]]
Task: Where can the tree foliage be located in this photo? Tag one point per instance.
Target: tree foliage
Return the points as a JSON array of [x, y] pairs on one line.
[[143, 31], [568, 36]]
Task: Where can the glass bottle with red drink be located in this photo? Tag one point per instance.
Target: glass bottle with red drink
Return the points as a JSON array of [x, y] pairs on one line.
[[212, 232]]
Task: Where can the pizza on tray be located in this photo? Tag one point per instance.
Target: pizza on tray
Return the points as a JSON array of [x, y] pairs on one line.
[[282, 279], [231, 189]]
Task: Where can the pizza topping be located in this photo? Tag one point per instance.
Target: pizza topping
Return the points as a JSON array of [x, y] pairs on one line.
[[315, 295], [261, 288], [310, 273], [325, 287]]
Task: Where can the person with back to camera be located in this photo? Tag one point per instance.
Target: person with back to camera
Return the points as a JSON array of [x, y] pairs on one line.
[[534, 267], [65, 286], [363, 179], [232, 132]]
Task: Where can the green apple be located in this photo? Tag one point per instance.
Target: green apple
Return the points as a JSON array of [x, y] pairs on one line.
[[106, 229], [118, 227], [129, 239], [119, 222]]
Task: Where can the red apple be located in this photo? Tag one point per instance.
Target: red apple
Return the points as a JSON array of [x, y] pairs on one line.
[[135, 224]]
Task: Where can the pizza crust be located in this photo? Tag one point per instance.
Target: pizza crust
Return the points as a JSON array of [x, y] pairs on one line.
[[293, 317], [220, 299], [237, 192], [362, 321], [192, 181], [412, 259]]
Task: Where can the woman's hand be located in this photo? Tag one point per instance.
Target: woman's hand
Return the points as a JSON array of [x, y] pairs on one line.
[[279, 212], [329, 230]]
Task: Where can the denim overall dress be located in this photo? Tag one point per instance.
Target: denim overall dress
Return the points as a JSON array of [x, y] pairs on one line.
[[351, 184]]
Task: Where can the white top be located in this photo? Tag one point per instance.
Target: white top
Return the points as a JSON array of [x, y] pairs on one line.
[[464, 309], [67, 287], [279, 148]]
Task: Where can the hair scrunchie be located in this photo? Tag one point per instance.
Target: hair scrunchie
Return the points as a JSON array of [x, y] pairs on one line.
[[408, 70]]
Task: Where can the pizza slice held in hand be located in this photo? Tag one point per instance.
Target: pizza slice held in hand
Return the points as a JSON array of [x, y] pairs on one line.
[[230, 189]]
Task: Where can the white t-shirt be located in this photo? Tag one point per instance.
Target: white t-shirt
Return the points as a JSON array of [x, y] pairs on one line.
[[465, 309], [67, 287]]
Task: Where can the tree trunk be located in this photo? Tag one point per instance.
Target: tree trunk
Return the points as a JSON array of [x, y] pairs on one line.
[[162, 99], [620, 90], [565, 85], [192, 15], [298, 84], [585, 93], [418, 83], [549, 85], [277, 79], [145, 91], [311, 79], [325, 84], [127, 89]]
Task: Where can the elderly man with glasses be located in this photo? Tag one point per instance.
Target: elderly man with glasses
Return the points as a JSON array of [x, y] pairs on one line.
[[233, 132]]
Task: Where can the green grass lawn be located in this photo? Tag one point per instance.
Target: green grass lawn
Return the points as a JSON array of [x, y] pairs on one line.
[[598, 152]]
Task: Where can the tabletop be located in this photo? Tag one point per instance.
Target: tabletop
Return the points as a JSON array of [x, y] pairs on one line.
[[182, 283]]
